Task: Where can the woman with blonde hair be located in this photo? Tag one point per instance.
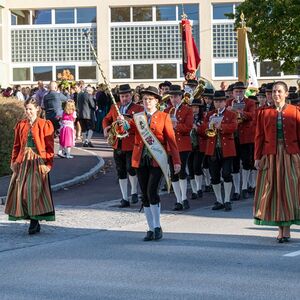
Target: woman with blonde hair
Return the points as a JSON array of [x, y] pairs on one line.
[[29, 194]]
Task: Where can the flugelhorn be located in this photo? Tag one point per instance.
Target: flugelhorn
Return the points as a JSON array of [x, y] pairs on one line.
[[211, 131], [112, 135], [239, 116]]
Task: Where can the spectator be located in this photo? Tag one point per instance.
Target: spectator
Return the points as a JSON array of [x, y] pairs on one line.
[[86, 115], [103, 103], [52, 104], [18, 93], [40, 93]]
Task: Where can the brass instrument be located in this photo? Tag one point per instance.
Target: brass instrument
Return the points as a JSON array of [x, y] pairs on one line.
[[112, 135], [198, 91], [163, 103], [211, 131], [239, 116]]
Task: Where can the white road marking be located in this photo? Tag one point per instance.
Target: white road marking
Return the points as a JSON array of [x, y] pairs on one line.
[[292, 254]]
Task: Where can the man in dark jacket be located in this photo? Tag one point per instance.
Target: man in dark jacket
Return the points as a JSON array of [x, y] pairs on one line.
[[86, 115], [52, 104]]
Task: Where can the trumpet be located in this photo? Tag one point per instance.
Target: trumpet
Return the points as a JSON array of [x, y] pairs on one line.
[[211, 131]]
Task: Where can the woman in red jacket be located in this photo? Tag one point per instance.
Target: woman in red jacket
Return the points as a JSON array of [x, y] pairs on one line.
[[29, 194], [277, 158], [153, 133]]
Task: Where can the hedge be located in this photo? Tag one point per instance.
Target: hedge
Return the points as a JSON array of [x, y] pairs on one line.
[[11, 111]]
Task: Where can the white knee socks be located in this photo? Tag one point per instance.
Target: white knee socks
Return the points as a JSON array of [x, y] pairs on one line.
[[252, 179], [177, 192], [198, 180], [133, 182], [149, 218], [236, 182], [155, 209], [207, 176], [183, 188], [245, 175], [90, 134], [227, 188], [218, 193], [193, 185], [123, 187]]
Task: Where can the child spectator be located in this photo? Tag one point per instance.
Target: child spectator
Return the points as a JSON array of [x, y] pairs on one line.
[[67, 132]]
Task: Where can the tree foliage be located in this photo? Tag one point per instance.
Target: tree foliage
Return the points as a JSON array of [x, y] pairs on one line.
[[275, 28]]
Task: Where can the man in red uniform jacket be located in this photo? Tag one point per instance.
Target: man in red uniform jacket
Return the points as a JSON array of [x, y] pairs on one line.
[[220, 148], [123, 147], [182, 118]]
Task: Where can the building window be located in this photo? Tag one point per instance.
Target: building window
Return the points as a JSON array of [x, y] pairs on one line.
[[41, 16], [51, 44], [166, 71], [224, 41], [141, 42], [121, 72], [143, 71], [166, 13], [69, 71], [42, 73], [219, 11], [20, 17], [86, 15], [293, 73], [87, 72], [64, 16], [223, 69], [21, 74], [142, 14], [120, 14], [269, 69]]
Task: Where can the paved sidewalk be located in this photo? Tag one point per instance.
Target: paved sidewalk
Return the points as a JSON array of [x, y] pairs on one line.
[[67, 172]]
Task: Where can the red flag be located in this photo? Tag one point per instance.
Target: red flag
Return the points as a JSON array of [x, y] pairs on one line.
[[190, 54]]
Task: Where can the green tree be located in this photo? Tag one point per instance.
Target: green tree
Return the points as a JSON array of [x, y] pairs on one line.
[[275, 30]]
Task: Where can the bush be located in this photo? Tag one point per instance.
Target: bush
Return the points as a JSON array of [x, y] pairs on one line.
[[11, 111]]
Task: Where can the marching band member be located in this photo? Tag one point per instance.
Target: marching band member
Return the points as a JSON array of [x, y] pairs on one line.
[[268, 91], [207, 97], [182, 120], [220, 126], [277, 158], [123, 147], [153, 133], [195, 157], [244, 139]]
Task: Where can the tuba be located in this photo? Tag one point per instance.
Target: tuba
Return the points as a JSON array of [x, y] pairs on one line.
[[190, 95]]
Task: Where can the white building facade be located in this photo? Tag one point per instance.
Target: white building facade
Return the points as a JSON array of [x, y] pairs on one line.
[[136, 43]]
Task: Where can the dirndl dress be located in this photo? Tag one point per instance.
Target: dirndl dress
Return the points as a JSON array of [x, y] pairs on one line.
[[277, 194], [29, 193]]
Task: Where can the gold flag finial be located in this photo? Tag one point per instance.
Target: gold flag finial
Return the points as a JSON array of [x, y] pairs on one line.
[[243, 23]]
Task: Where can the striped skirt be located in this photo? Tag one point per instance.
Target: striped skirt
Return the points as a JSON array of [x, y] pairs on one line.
[[277, 194], [29, 194]]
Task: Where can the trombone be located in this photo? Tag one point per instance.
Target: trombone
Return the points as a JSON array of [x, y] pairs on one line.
[[113, 135]]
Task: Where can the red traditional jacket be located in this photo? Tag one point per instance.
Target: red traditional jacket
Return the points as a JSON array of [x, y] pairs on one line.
[[43, 137], [127, 143], [245, 132], [162, 128], [185, 118], [266, 131], [226, 134]]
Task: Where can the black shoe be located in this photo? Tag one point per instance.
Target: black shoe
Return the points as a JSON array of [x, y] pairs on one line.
[[245, 194], [90, 144], [218, 206], [227, 206], [124, 203], [208, 189], [286, 239], [194, 196], [178, 206], [134, 198], [251, 190], [158, 233], [34, 227], [280, 240], [85, 144], [235, 197], [149, 236], [200, 194], [186, 204]]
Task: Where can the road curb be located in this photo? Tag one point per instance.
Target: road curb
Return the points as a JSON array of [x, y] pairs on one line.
[[76, 180]]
